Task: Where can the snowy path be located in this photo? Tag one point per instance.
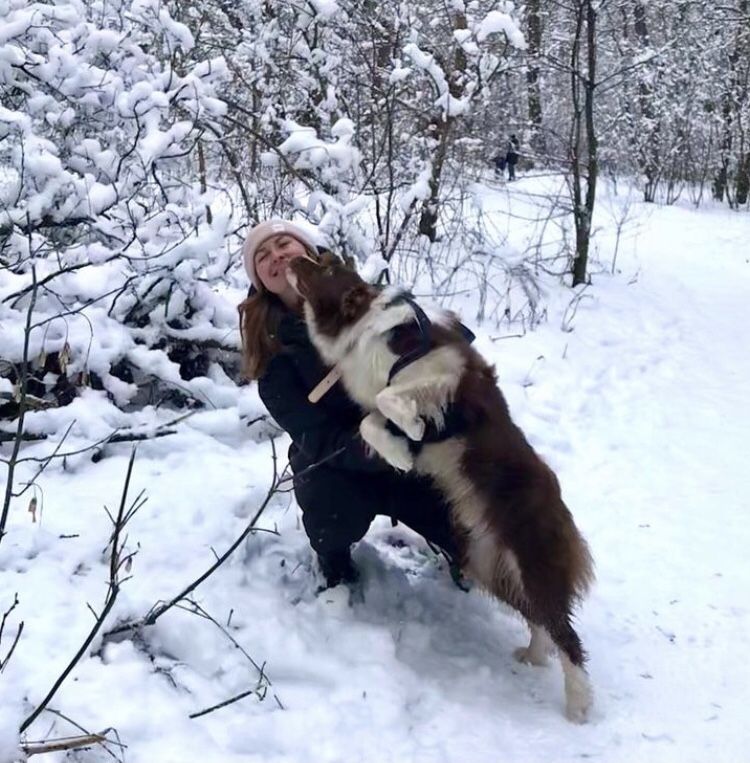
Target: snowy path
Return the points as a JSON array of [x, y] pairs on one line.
[[642, 409]]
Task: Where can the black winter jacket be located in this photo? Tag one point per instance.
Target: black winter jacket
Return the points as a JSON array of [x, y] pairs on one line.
[[320, 429]]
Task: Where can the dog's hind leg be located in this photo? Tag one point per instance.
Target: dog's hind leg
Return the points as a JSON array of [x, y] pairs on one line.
[[578, 691], [539, 648]]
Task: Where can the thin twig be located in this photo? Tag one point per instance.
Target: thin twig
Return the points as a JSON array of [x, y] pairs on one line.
[[19, 631], [257, 691], [198, 610], [21, 406]]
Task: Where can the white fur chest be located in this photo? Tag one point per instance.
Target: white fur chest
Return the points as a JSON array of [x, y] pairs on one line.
[[365, 369], [361, 351]]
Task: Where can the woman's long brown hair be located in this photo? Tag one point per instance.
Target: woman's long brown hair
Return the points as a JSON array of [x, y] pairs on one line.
[[260, 315]]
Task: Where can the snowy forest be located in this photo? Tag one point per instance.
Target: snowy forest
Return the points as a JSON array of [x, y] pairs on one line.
[[140, 140]]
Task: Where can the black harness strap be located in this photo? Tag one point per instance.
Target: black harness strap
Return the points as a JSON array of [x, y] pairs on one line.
[[424, 324], [425, 342]]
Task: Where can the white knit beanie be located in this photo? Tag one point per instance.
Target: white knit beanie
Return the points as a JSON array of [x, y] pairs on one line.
[[265, 230]]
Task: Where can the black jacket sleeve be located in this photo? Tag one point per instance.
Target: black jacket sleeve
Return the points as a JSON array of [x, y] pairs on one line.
[[315, 433]]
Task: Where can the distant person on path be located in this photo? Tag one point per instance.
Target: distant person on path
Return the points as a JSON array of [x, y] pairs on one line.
[[499, 160], [511, 157]]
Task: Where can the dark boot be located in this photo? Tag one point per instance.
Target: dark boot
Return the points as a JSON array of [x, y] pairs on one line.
[[337, 567]]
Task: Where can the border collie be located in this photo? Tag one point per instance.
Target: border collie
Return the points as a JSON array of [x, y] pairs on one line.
[[517, 538]]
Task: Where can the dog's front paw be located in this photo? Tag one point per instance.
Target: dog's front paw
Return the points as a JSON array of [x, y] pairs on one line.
[[414, 429], [399, 459], [394, 450], [402, 411]]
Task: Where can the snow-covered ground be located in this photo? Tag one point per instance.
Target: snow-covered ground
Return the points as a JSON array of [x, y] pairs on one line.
[[639, 403]]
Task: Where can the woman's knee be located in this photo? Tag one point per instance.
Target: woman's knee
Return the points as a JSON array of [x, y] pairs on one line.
[[336, 510]]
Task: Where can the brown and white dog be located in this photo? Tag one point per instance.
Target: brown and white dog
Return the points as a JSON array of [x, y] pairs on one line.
[[517, 537]]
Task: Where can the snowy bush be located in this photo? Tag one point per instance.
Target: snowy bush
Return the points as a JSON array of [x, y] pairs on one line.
[[106, 225]]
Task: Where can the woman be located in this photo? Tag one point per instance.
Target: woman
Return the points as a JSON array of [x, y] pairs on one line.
[[340, 487]]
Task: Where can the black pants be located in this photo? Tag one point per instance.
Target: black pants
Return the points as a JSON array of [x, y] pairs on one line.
[[338, 507]]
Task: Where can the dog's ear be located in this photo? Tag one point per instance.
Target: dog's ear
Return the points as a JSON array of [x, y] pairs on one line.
[[326, 258], [355, 301]]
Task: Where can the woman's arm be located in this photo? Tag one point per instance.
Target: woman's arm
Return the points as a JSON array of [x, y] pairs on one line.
[[312, 429]]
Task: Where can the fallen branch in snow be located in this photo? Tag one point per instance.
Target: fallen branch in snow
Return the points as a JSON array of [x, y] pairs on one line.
[[86, 733], [259, 690], [64, 743], [160, 431], [140, 436], [25, 437], [116, 562], [130, 437]]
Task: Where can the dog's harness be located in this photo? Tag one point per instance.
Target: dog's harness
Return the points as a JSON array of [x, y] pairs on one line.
[[453, 421], [424, 324]]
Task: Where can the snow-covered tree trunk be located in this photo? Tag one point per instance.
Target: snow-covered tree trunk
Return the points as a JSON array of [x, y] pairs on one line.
[[537, 139], [584, 161]]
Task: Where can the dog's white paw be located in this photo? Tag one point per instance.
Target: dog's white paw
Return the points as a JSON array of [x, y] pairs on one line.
[[578, 711], [538, 650], [414, 429], [402, 411], [403, 461], [529, 656], [579, 696], [394, 450]]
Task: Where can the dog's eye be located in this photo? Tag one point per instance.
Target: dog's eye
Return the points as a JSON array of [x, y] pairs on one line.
[[328, 271]]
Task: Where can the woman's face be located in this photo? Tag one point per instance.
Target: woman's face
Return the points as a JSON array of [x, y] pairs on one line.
[[271, 259]]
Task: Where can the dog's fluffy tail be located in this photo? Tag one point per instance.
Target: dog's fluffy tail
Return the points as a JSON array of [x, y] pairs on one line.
[[582, 567]]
